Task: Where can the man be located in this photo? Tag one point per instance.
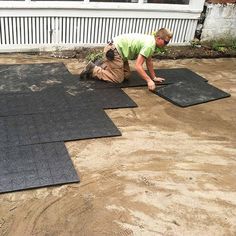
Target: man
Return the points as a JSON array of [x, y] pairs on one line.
[[123, 48]]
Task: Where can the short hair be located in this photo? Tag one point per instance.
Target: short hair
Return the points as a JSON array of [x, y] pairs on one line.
[[163, 33]]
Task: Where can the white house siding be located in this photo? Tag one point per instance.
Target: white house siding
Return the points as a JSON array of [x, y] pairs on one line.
[[220, 21], [51, 25]]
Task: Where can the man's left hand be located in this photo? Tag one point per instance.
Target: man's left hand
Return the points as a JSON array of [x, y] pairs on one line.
[[158, 79]]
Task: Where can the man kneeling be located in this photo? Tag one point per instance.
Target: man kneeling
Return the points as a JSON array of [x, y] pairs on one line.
[[139, 47]]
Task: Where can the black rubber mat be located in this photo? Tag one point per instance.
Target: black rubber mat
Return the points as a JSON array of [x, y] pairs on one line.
[[186, 94], [34, 166], [172, 75], [104, 98], [56, 99], [48, 100], [31, 71], [94, 83], [41, 105], [36, 77], [134, 81], [23, 78], [44, 104], [51, 127]]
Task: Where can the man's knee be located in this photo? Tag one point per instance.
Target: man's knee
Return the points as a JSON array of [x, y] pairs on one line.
[[127, 75]]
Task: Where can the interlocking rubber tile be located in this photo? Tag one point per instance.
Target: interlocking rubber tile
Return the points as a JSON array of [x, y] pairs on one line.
[[43, 104], [32, 77], [48, 100], [36, 77], [25, 71], [83, 123], [186, 94], [172, 75], [34, 166], [57, 99], [134, 81], [103, 98]]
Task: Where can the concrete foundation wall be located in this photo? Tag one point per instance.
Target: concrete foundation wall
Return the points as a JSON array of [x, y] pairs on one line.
[[220, 21]]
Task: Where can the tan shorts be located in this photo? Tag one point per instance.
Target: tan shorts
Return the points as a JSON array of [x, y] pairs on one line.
[[114, 71]]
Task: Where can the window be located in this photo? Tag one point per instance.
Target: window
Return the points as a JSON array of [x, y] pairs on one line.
[[134, 1], [168, 1], [147, 1], [119, 1]]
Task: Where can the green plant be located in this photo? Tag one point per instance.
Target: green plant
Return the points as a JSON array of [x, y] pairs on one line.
[[223, 44], [160, 51], [93, 56], [234, 44], [219, 46], [195, 43], [221, 49]]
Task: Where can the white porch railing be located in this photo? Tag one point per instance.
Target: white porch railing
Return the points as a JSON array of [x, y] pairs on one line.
[[54, 25]]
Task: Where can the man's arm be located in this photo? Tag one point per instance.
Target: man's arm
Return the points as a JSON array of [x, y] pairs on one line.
[[139, 67], [149, 64]]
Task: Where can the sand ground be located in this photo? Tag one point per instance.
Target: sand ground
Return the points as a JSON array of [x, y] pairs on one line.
[[172, 172]]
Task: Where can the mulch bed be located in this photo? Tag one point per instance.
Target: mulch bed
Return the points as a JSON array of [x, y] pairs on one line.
[[181, 52]]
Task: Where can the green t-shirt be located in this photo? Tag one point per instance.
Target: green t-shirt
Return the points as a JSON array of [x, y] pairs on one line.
[[131, 45]]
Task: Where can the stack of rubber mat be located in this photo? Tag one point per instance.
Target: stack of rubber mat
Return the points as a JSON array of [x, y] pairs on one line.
[[43, 105]]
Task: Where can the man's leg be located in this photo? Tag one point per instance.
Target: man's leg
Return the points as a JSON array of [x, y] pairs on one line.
[[112, 71], [127, 71]]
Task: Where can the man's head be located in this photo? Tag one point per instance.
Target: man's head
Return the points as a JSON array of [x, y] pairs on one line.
[[162, 37]]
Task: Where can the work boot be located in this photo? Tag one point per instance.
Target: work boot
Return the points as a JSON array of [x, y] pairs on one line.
[[87, 71]]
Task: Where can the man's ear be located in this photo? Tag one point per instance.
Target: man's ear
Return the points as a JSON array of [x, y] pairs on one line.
[[157, 40]]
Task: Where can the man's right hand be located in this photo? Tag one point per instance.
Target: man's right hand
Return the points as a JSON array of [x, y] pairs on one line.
[[151, 85]]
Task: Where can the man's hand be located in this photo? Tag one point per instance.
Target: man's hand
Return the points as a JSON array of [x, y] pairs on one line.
[[151, 85], [158, 79]]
